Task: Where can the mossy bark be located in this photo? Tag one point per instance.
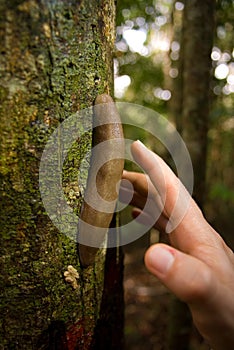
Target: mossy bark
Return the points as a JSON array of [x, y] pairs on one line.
[[56, 57]]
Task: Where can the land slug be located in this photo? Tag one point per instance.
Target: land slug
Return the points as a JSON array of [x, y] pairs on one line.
[[109, 139]]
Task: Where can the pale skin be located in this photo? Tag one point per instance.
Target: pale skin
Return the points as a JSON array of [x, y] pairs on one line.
[[198, 267]]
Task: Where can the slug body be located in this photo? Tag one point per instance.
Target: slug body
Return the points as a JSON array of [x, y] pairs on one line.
[[105, 172]]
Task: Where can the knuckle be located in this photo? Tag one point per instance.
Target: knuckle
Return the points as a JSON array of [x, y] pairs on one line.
[[200, 286]]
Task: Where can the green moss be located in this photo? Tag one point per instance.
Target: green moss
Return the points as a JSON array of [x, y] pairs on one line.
[[55, 65]]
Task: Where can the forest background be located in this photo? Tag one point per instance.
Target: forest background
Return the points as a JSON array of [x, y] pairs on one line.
[[174, 57], [149, 51], [150, 70]]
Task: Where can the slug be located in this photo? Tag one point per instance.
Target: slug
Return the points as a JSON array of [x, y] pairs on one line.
[[102, 181]]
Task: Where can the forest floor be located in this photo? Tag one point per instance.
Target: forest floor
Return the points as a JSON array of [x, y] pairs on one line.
[[147, 304]]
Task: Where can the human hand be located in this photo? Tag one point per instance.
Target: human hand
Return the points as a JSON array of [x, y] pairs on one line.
[[198, 267]]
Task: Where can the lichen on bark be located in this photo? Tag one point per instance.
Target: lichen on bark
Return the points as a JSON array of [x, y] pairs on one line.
[[56, 58]]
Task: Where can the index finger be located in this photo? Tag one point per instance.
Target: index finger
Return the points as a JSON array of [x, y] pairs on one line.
[[140, 182], [186, 222], [174, 196]]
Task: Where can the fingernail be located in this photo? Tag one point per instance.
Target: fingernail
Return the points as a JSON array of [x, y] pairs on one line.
[[141, 144], [160, 259], [169, 228]]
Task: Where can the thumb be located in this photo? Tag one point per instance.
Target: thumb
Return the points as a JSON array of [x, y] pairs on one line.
[[187, 277]]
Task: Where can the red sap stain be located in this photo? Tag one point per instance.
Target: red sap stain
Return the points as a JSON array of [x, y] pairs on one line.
[[77, 337]]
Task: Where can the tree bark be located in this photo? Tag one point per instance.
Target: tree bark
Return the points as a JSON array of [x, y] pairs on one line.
[[190, 105], [56, 57], [175, 104], [198, 40]]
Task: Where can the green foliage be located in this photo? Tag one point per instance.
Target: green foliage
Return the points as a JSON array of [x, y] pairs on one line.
[[145, 77], [145, 66], [128, 9], [223, 192], [151, 71]]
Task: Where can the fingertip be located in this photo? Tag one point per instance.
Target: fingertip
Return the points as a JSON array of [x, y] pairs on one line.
[[136, 212], [140, 154], [187, 277], [159, 258], [137, 145], [124, 173]]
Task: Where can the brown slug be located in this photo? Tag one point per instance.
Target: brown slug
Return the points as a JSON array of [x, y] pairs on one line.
[[102, 180]]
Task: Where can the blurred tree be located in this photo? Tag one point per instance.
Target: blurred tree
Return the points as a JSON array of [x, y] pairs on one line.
[[56, 56], [176, 56], [221, 141], [194, 97], [198, 23], [183, 67]]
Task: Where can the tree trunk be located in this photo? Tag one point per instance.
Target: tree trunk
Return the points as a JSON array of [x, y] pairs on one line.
[[198, 40], [192, 101], [56, 58], [175, 104]]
